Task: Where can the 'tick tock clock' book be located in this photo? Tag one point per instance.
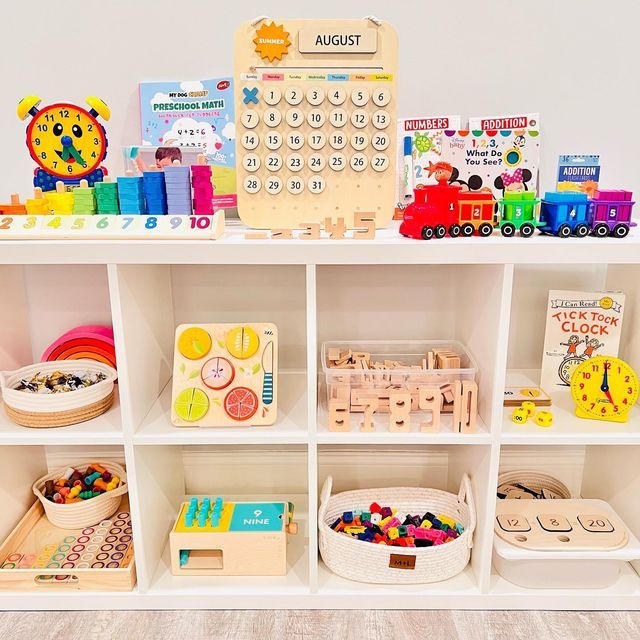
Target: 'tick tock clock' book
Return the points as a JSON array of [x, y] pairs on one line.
[[580, 325]]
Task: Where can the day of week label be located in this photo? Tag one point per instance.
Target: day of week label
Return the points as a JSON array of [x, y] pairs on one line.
[[330, 40], [248, 76], [338, 76], [272, 76], [382, 77], [360, 77], [294, 76], [316, 76]]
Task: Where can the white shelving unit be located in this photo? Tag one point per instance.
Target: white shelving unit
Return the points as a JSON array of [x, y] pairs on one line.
[[490, 294]]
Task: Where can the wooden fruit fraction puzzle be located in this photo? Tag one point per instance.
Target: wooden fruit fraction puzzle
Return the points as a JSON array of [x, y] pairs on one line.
[[315, 120], [225, 375]]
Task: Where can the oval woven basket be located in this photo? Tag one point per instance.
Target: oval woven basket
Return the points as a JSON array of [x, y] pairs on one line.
[[78, 515], [57, 409], [366, 562], [535, 480]]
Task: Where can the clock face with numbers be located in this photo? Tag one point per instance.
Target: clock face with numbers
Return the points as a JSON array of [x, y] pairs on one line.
[[604, 388], [66, 140]]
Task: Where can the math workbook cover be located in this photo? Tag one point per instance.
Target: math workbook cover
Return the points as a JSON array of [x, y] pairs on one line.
[[196, 114], [580, 325]]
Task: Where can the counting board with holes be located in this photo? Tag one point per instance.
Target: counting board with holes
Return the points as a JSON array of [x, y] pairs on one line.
[[39, 555], [560, 525], [315, 120], [225, 375]]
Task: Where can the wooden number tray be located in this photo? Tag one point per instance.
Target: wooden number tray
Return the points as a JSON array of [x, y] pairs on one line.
[[560, 525], [37, 555]]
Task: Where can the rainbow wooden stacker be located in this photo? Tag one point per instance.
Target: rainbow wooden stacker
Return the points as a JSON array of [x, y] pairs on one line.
[[225, 375], [212, 537]]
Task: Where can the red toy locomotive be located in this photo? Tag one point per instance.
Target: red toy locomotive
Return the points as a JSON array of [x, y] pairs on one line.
[[444, 208]]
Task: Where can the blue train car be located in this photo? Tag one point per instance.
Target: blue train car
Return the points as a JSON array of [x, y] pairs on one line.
[[564, 213]]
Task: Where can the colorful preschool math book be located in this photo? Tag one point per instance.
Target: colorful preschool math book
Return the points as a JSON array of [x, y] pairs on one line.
[[194, 114], [580, 325], [499, 161], [579, 173], [419, 150], [513, 121]]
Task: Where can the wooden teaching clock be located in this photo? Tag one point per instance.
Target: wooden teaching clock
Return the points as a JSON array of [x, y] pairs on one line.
[[604, 388], [66, 141]]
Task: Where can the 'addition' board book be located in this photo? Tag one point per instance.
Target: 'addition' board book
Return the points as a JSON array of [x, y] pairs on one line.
[[419, 148], [194, 114], [514, 121], [580, 325], [498, 161]]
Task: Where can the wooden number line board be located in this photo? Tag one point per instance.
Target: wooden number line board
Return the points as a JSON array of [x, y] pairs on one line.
[[315, 120], [225, 375]]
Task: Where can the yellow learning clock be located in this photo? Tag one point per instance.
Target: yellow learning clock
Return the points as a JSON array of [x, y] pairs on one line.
[[604, 388], [65, 140]]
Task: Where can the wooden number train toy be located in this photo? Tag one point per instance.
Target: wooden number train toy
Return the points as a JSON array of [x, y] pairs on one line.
[[404, 394], [213, 537], [445, 209]]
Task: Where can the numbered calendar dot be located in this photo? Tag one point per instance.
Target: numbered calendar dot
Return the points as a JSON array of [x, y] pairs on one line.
[[316, 162], [338, 140], [359, 118], [250, 118], [337, 161], [513, 522], [554, 523], [381, 97], [249, 140], [595, 524], [293, 95], [338, 117], [295, 185], [316, 118], [358, 162], [381, 119], [316, 140], [273, 140], [359, 96], [316, 184], [251, 162], [272, 117], [273, 185], [380, 162], [252, 184], [336, 96], [294, 117], [295, 162], [273, 162], [315, 96], [272, 95], [359, 140], [380, 141], [295, 140]]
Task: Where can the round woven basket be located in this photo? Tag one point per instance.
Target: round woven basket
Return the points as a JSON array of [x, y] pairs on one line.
[[57, 409], [535, 480], [78, 515], [366, 562]]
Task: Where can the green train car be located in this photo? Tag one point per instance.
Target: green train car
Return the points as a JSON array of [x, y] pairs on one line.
[[519, 212]]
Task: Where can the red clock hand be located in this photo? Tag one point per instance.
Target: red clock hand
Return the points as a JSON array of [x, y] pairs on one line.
[[608, 394]]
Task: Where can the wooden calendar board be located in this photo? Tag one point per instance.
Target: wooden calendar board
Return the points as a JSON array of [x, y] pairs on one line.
[[315, 120], [112, 227], [225, 375], [560, 525]]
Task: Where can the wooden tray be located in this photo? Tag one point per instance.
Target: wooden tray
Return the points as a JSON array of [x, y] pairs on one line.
[[34, 533]]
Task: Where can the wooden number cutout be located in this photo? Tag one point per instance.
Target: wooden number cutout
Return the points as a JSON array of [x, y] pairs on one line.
[[311, 231], [465, 406], [429, 399], [336, 230], [370, 406], [399, 411], [365, 226], [339, 416]]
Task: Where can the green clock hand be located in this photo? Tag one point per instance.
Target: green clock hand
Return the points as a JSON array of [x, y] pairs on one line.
[[77, 156]]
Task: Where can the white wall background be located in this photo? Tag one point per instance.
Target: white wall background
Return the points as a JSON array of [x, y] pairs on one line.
[[575, 61]]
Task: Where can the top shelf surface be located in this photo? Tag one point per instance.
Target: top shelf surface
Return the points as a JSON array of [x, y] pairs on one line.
[[387, 248]]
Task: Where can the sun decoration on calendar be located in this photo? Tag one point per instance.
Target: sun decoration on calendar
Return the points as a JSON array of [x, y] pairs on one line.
[[272, 41]]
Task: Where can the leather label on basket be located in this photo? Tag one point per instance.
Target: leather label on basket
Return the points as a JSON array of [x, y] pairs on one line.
[[397, 561]]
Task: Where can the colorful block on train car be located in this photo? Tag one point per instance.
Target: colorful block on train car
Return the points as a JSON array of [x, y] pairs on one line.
[[610, 212], [564, 213]]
